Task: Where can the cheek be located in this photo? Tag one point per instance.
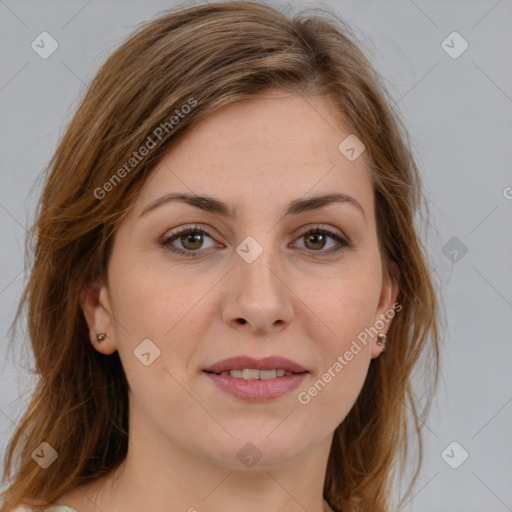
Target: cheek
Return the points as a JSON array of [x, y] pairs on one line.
[[347, 306], [332, 393], [156, 300], [170, 308], [346, 303]]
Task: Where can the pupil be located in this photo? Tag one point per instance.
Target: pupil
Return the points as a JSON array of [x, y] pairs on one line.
[[316, 237], [193, 238]]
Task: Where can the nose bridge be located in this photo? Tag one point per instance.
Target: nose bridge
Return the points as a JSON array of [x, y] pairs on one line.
[[257, 265], [257, 291]]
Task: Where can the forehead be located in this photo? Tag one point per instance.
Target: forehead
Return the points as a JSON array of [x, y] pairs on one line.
[[274, 148]]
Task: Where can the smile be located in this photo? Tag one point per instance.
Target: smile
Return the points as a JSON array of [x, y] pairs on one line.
[[254, 374]]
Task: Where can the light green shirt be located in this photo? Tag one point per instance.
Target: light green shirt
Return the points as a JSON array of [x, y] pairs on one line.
[[54, 508], [61, 508]]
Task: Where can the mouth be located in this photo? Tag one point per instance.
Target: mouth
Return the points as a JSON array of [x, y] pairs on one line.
[[255, 374], [251, 368], [256, 380]]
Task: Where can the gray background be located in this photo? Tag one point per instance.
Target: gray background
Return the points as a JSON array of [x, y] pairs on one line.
[[459, 114]]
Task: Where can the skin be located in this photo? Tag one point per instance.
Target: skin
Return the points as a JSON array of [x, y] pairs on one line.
[[185, 433]]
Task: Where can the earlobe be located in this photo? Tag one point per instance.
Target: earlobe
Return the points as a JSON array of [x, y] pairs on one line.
[[386, 310], [379, 345], [95, 304]]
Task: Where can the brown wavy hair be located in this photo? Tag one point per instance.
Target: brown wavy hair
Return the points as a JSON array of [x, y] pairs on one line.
[[212, 54]]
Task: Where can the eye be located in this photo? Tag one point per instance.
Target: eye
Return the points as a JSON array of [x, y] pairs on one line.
[[191, 240], [316, 240]]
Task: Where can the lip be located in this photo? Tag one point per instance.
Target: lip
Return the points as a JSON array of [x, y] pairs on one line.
[[267, 363], [257, 390]]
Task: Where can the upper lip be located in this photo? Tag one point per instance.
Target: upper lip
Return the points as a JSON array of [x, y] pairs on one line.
[[267, 363]]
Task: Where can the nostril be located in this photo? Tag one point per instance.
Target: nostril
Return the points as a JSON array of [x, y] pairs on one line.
[[241, 321]]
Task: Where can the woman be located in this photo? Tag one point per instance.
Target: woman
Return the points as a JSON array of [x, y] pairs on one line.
[[229, 294]]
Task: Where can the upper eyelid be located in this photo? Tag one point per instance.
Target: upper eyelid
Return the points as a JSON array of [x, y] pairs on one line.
[[207, 229]]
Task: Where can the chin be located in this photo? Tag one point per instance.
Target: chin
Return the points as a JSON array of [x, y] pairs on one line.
[[259, 449]]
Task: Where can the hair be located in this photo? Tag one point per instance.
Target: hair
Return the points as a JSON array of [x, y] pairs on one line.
[[209, 56]]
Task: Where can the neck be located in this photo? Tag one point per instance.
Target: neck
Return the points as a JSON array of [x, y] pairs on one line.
[[158, 475]]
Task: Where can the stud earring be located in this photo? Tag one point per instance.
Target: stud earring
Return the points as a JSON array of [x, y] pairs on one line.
[[382, 339], [100, 337]]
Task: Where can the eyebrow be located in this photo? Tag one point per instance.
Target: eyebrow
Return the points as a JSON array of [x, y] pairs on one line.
[[212, 205]]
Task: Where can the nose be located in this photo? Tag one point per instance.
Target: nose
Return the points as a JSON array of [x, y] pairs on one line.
[[258, 295]]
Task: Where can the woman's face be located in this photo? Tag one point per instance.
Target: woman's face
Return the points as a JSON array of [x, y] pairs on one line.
[[250, 278]]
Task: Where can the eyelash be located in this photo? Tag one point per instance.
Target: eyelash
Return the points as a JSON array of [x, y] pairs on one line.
[[166, 241]]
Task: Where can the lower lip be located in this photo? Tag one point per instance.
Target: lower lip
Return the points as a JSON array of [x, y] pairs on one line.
[[257, 390]]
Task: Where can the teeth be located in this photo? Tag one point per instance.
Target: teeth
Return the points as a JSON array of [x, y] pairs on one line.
[[253, 374], [250, 374], [268, 374]]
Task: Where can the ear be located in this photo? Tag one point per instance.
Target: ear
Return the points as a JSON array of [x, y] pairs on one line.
[[95, 303], [386, 308]]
